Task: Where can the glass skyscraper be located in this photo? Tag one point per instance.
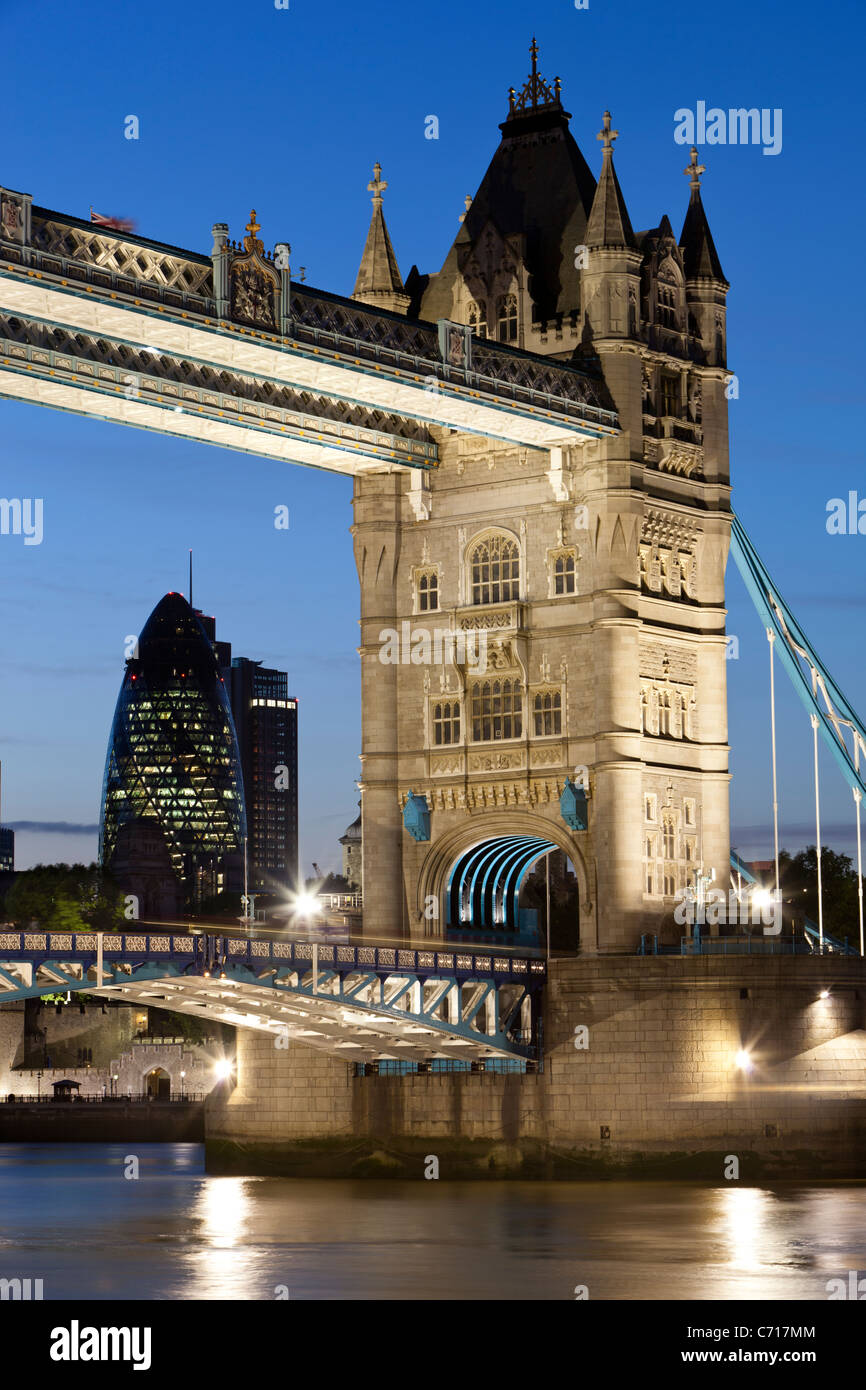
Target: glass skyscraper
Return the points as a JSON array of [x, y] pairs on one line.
[[173, 769]]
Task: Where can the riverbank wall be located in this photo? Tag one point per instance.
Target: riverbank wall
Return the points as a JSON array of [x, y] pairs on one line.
[[102, 1122]]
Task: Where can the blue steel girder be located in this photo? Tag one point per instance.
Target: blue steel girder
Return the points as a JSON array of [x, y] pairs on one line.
[[807, 672], [442, 991]]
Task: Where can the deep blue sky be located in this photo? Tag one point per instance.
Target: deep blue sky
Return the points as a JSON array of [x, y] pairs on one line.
[[286, 110]]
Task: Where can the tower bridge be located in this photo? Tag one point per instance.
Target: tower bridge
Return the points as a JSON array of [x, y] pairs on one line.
[[538, 439]]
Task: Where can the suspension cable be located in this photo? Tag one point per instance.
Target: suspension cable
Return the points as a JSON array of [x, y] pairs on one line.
[[858, 797], [771, 637], [815, 721]]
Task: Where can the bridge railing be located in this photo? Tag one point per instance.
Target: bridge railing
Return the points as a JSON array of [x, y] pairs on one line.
[[215, 949]]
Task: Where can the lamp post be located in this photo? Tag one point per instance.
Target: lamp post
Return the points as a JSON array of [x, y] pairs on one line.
[[182, 1079]]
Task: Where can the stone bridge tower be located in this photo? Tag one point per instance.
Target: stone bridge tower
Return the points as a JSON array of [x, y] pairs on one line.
[[589, 580]]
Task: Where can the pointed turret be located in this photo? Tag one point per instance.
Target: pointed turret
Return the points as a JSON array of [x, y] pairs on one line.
[[379, 279], [608, 223], [700, 257]]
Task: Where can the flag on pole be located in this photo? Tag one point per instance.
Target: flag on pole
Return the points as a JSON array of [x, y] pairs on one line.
[[119, 224]]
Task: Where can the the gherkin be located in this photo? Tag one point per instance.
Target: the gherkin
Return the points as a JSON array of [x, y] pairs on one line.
[[173, 759]]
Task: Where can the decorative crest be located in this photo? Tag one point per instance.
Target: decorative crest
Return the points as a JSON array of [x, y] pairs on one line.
[[606, 134], [536, 94], [251, 241], [694, 169]]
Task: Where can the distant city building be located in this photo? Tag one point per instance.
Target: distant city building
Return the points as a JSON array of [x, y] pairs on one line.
[[266, 723], [266, 720], [173, 768], [353, 861], [7, 845], [7, 850]]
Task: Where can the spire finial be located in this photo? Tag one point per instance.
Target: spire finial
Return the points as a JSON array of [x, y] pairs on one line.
[[377, 185], [252, 226], [607, 135], [535, 94], [694, 170], [468, 203]]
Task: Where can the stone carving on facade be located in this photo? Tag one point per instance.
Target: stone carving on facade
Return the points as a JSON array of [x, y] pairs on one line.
[[678, 456], [11, 218], [668, 555], [254, 281], [487, 621], [658, 662]]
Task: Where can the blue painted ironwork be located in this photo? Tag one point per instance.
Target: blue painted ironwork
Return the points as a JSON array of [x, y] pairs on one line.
[[572, 806], [819, 693], [485, 882], [416, 817], [372, 979]]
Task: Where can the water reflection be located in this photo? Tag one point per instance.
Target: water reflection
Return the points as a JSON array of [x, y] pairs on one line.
[[68, 1216], [745, 1211]]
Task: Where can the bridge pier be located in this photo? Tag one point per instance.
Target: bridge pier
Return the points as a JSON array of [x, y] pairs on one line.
[[652, 1088]]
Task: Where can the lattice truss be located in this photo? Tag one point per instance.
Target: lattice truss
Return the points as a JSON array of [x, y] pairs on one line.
[[142, 370], [122, 257]]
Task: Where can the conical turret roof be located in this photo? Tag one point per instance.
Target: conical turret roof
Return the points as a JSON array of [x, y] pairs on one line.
[[700, 258], [609, 223], [379, 280]]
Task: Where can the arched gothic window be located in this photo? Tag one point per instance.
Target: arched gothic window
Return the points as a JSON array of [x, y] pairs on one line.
[[478, 318], [564, 574], [506, 318], [446, 722], [667, 306], [668, 837], [497, 710], [495, 570], [428, 592]]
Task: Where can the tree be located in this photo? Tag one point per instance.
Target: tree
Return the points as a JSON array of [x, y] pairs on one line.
[[798, 879], [66, 897]]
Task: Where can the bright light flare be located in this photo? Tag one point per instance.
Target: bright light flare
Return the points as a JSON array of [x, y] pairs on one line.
[[224, 1068], [743, 1060], [306, 905]]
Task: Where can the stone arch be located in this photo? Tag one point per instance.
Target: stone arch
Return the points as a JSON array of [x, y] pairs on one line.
[[443, 853], [157, 1083]]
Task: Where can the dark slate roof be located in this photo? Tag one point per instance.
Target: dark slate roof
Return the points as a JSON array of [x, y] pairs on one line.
[[700, 257], [538, 186]]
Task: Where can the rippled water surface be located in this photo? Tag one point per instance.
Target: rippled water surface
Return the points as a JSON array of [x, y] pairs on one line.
[[70, 1217]]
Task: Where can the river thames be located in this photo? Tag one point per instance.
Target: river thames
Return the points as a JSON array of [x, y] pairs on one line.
[[70, 1217]]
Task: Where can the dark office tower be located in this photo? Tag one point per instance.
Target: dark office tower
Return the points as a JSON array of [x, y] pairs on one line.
[[173, 801], [7, 849], [266, 720]]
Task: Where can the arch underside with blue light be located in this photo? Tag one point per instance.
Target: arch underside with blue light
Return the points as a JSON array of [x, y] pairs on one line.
[[484, 886]]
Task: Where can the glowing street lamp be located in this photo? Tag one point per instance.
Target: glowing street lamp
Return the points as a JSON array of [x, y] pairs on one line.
[[743, 1060]]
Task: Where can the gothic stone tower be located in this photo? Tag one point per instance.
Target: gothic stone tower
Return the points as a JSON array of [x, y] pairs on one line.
[[598, 584]]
